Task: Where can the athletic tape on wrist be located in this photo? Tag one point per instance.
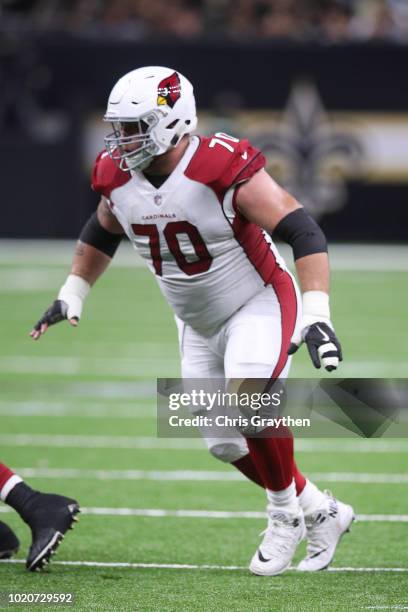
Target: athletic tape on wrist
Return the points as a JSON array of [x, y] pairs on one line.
[[74, 285], [316, 303]]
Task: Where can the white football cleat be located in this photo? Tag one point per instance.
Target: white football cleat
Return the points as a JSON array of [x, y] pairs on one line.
[[325, 527], [281, 539]]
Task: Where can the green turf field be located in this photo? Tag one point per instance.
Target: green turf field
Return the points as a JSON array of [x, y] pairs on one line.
[[78, 417]]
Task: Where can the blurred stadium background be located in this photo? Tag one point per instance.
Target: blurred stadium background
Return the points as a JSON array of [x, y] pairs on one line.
[[319, 85]]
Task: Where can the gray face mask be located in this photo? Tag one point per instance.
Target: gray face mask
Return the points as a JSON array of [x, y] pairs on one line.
[[130, 145]]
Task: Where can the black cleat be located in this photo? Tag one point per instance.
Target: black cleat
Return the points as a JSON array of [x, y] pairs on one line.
[[9, 543], [50, 518]]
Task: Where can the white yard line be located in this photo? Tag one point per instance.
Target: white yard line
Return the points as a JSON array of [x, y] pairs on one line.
[[360, 477], [111, 390], [106, 390], [82, 441], [394, 607], [149, 365], [79, 409], [200, 475], [357, 445], [333, 445], [214, 514], [190, 566], [146, 366]]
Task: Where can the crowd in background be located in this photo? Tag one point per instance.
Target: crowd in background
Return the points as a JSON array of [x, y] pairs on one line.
[[329, 21]]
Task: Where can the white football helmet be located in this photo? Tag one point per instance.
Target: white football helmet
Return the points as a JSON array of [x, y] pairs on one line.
[[150, 109]]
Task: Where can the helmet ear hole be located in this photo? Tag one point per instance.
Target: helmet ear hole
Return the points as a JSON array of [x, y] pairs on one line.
[[174, 140]]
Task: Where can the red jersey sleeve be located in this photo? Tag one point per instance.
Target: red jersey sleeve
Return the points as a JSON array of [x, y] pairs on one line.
[[221, 163], [106, 176]]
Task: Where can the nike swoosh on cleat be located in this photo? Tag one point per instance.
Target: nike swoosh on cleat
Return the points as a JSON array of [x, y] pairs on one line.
[[318, 553], [262, 558]]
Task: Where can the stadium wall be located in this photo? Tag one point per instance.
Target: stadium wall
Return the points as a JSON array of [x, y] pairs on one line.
[[332, 120]]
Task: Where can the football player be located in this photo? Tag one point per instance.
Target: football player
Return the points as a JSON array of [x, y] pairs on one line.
[[49, 517], [201, 212]]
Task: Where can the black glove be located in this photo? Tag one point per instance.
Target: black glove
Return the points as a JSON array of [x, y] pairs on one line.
[[322, 344], [56, 312]]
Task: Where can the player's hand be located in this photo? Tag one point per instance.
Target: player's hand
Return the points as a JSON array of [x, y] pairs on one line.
[[321, 341], [58, 311], [68, 305]]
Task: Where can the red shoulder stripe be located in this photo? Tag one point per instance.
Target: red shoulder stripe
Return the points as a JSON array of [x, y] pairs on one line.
[[106, 176], [220, 168]]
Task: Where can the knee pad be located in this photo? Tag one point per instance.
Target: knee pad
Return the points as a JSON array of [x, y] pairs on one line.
[[229, 451]]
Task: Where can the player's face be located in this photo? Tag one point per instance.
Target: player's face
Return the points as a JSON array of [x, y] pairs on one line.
[[128, 129]]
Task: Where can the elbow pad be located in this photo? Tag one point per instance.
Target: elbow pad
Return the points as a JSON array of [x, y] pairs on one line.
[[302, 233], [97, 236]]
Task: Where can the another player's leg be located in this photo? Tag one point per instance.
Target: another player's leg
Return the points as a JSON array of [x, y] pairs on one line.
[[9, 543], [49, 516]]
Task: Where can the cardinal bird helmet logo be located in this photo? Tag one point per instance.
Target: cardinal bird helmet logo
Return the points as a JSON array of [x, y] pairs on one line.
[[168, 91]]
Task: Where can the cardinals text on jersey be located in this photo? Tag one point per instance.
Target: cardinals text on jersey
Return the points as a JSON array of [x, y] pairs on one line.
[[208, 259]]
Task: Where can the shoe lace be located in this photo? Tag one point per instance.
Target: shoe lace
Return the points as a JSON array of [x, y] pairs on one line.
[[317, 534], [319, 527]]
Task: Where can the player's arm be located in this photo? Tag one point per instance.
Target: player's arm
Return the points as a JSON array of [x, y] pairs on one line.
[[97, 243], [262, 201]]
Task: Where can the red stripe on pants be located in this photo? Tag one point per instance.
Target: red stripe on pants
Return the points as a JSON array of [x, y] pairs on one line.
[[273, 456]]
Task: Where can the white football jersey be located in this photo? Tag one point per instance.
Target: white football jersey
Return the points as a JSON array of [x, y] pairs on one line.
[[208, 259]]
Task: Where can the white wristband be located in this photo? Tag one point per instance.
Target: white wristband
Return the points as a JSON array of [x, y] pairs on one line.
[[316, 304], [73, 293]]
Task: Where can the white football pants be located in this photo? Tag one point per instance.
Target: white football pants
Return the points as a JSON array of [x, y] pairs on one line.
[[252, 343]]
